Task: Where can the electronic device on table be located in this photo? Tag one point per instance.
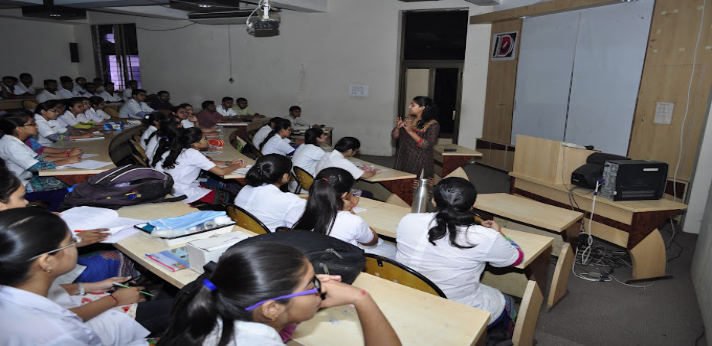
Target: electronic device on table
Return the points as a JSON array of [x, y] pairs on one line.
[[587, 175], [632, 180]]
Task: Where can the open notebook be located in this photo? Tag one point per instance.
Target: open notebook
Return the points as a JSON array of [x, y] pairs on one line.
[[86, 218]]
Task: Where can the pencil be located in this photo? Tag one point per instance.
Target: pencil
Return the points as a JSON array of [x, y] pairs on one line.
[[124, 286]]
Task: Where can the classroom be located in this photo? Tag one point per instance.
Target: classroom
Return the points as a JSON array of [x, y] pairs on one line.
[[536, 88]]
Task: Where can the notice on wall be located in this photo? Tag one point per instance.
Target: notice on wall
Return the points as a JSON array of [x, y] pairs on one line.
[[503, 45], [358, 90], [663, 112]]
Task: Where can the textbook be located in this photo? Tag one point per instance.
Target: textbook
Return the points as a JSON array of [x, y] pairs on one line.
[[173, 259]]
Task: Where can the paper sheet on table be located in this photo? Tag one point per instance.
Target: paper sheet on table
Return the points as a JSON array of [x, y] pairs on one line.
[[85, 218], [358, 209], [243, 170], [86, 156], [89, 139], [359, 164], [87, 164]]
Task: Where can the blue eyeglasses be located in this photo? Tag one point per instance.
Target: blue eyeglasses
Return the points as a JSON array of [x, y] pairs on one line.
[[315, 290]]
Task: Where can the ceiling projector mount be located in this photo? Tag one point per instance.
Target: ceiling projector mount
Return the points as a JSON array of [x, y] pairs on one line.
[[255, 22]]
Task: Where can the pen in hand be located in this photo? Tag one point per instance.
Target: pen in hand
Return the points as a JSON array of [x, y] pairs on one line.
[[124, 286]]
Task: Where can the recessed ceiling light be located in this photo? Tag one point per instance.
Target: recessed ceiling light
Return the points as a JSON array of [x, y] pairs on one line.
[[205, 6], [55, 15]]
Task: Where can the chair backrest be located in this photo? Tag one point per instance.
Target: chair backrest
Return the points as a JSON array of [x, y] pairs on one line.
[[138, 149], [304, 179], [391, 270], [246, 220], [29, 105], [138, 160]]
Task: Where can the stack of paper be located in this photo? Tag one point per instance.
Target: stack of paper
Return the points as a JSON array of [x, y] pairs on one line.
[[86, 218]]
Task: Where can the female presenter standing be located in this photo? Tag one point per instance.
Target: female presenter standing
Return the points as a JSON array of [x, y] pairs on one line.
[[415, 137]]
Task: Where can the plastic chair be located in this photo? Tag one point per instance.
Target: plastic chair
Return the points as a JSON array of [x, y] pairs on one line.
[[29, 105], [303, 177], [391, 270], [246, 220]]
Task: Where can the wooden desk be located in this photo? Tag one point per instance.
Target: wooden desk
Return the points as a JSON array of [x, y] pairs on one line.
[[230, 153], [244, 127], [407, 309], [418, 318], [399, 183], [12, 104], [448, 161], [630, 224], [382, 217]]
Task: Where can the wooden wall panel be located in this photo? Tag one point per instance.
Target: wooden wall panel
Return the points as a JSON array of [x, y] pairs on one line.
[[666, 77], [501, 79]]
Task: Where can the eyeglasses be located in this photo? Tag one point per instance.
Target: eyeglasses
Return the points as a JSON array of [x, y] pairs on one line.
[[74, 242], [201, 141], [315, 290]]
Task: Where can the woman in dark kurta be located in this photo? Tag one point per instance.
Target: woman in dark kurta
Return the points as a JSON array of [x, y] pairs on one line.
[[416, 136]]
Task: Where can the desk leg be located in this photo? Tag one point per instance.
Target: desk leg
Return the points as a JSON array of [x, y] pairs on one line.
[[649, 260], [538, 270], [402, 187], [560, 280], [482, 340]]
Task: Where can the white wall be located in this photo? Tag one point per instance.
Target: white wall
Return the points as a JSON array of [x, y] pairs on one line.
[[701, 273], [310, 63], [39, 48]]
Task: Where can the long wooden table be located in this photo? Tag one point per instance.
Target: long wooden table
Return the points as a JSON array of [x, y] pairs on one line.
[[399, 183], [448, 161], [231, 153], [419, 318], [243, 128]]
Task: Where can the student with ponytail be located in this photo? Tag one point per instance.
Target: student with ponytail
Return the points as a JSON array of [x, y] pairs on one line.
[[182, 159], [329, 211], [451, 238], [257, 290], [168, 128], [153, 121], [263, 196], [274, 143]]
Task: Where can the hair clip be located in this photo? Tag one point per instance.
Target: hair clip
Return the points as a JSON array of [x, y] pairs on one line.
[[324, 179], [209, 285]]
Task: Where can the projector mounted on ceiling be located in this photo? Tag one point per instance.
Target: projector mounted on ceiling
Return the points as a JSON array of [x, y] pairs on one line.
[[265, 22]]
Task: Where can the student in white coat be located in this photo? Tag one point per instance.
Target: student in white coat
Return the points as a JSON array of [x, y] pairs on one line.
[[75, 113], [345, 147], [153, 121], [96, 113], [309, 153], [275, 142], [330, 211], [49, 92], [136, 107], [24, 87], [128, 92], [298, 123], [109, 95], [225, 108], [38, 249], [182, 159], [49, 129], [263, 198], [451, 249], [262, 133], [67, 87]]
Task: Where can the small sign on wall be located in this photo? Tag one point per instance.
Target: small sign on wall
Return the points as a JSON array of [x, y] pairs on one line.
[[503, 45], [358, 90]]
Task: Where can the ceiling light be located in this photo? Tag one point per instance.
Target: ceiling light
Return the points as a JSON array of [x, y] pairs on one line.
[[55, 15], [204, 6]]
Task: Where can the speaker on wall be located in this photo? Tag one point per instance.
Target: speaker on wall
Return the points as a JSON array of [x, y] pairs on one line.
[[74, 52]]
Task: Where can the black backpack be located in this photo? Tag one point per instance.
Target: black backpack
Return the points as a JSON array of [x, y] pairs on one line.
[[121, 186], [327, 254]]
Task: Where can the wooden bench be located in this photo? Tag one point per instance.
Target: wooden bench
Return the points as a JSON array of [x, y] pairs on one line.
[[542, 216], [455, 157]]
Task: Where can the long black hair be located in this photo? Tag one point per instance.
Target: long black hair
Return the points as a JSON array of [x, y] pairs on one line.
[[311, 135], [183, 139], [26, 233], [268, 169], [279, 125], [429, 113], [163, 120], [347, 143], [46, 106], [169, 132], [246, 274], [454, 198], [10, 122], [9, 183], [325, 200]]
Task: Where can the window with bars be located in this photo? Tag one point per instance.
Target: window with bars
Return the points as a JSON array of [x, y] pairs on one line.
[[116, 53]]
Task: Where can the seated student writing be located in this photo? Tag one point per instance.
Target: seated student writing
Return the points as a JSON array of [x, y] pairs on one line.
[[136, 107], [451, 238], [96, 113], [345, 147], [49, 129], [49, 92], [109, 94], [163, 102], [226, 107], [243, 111], [309, 153], [22, 161], [329, 211], [182, 159], [38, 249], [24, 87], [259, 289], [263, 197], [275, 142]]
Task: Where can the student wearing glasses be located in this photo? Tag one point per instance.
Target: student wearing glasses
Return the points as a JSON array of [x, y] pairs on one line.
[[37, 249], [22, 161], [259, 289], [181, 158]]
